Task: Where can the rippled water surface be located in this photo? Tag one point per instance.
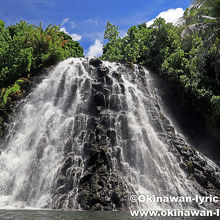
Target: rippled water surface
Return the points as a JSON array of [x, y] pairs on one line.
[[78, 215]]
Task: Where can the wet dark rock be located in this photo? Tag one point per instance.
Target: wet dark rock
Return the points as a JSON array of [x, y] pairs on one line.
[[121, 70], [116, 89], [157, 125], [68, 147], [141, 71], [108, 81], [59, 201], [99, 88], [80, 70], [105, 120], [123, 103], [112, 135], [95, 101], [77, 125], [183, 166], [196, 165], [91, 123], [86, 85], [117, 76], [60, 180], [215, 181], [68, 163], [85, 65], [200, 178], [40, 147], [114, 103], [86, 149], [87, 176], [116, 199], [82, 199], [185, 153], [122, 88], [71, 97], [95, 62], [124, 126], [60, 90], [102, 71]]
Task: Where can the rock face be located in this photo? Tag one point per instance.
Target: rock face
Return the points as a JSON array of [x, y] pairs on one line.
[[99, 135], [205, 178], [98, 187], [102, 185]]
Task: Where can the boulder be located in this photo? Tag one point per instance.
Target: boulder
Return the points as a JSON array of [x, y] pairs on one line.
[[95, 62], [200, 178]]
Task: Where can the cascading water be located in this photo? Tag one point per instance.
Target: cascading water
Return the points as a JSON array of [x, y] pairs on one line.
[[87, 137]]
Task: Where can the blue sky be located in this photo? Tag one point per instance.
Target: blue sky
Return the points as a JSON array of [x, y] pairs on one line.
[[85, 20]]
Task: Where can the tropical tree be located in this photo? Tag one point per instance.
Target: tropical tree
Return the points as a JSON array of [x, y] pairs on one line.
[[111, 32], [47, 36], [204, 17], [24, 50], [112, 51]]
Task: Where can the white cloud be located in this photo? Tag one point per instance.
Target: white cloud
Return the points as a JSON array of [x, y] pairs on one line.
[[95, 49], [75, 37], [63, 29], [171, 16], [94, 36], [73, 24], [92, 22], [64, 21]]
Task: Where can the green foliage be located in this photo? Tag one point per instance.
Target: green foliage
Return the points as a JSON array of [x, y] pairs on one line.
[[143, 45], [203, 18], [162, 40], [26, 49], [215, 101], [112, 51], [111, 32], [113, 48], [14, 89], [187, 55], [10, 91], [71, 48]]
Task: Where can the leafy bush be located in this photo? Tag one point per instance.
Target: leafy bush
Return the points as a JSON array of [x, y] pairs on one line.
[[187, 55], [26, 49]]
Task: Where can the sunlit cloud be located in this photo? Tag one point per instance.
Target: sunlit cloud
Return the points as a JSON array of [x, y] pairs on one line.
[[65, 20], [73, 24], [74, 36], [92, 22], [171, 16], [95, 49]]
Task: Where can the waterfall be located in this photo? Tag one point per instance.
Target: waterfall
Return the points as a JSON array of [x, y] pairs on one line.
[[88, 137]]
